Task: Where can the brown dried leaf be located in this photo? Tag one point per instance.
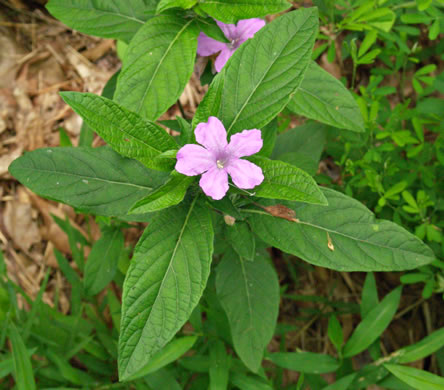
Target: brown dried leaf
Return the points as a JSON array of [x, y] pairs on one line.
[[281, 211], [20, 225]]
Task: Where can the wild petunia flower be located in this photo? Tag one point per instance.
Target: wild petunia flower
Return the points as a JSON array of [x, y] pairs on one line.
[[216, 158], [236, 34]]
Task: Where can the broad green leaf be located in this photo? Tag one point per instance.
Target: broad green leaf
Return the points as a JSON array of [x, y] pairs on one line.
[[324, 98], [307, 362], [164, 283], [241, 239], [104, 18], [23, 374], [169, 194], [266, 70], [302, 146], [418, 379], [285, 181], [167, 4], [96, 180], [374, 323], [157, 65], [220, 363], [170, 353], [344, 236], [102, 261], [249, 294], [126, 132], [230, 11], [428, 345]]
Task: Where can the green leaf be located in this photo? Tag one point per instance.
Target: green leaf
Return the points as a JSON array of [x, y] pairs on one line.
[[307, 362], [342, 383], [86, 134], [210, 28], [220, 363], [164, 283], [302, 146], [374, 323], [104, 18], [231, 11], [269, 136], [369, 40], [64, 138], [23, 374], [369, 298], [167, 4], [415, 18], [241, 239], [324, 98], [249, 294], [169, 194], [423, 4], [102, 261], [428, 345], [96, 180], [170, 353], [335, 333], [249, 382], [285, 181], [126, 132], [266, 70], [157, 65], [418, 379], [161, 379], [343, 236]]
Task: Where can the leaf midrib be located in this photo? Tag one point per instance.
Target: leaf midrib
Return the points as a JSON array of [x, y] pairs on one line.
[[179, 239], [262, 78], [335, 232], [161, 62], [107, 13], [86, 177]]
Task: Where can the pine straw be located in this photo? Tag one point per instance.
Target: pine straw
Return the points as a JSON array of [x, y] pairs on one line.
[[40, 57]]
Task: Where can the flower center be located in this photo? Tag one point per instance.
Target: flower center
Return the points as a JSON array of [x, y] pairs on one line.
[[234, 44], [220, 164]]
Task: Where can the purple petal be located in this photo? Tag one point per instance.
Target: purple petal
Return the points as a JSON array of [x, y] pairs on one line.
[[229, 30], [207, 46], [246, 143], [212, 135], [193, 160], [246, 29], [214, 183], [222, 58], [245, 174]]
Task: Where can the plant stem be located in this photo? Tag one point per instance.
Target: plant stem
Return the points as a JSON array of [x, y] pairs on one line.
[[182, 111]]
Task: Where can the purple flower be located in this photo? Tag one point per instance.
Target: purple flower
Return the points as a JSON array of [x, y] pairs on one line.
[[216, 159], [236, 34]]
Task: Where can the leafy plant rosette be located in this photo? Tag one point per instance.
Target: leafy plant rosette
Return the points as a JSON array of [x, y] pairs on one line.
[[269, 202]]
